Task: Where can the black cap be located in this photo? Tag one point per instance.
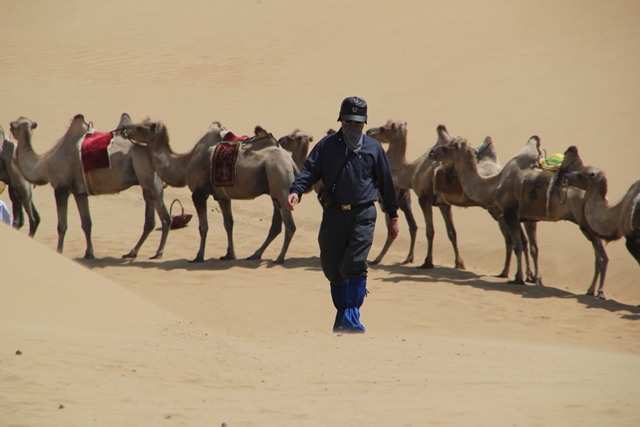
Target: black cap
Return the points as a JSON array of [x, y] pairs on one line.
[[353, 108]]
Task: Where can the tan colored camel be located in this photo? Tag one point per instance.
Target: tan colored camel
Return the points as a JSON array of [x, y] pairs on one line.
[[62, 168], [262, 168], [610, 222], [297, 143], [447, 185], [505, 190], [20, 190], [419, 176]]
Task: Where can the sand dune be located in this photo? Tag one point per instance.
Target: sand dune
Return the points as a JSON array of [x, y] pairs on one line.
[[149, 342]]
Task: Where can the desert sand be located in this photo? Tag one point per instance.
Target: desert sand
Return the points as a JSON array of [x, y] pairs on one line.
[[167, 342]]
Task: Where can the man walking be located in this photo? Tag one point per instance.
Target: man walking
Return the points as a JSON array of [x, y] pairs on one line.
[[354, 167]]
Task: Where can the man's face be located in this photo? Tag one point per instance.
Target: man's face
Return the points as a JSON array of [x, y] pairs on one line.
[[352, 122]]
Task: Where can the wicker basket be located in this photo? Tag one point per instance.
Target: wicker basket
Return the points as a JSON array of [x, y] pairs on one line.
[[179, 221]]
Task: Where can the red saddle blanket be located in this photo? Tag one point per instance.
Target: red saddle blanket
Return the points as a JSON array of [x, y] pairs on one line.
[[94, 151], [232, 137], [223, 164]]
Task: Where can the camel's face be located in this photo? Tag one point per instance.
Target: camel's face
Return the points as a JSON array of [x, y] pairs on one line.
[[22, 128], [295, 139], [584, 179], [444, 153], [389, 132], [142, 132]]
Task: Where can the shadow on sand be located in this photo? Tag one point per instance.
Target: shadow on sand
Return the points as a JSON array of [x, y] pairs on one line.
[[404, 273], [400, 273]]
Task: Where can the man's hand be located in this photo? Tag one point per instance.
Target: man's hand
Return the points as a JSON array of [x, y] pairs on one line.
[[292, 199], [394, 229]]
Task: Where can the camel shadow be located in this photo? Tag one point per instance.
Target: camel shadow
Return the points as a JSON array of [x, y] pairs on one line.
[[211, 264], [404, 273], [400, 273]]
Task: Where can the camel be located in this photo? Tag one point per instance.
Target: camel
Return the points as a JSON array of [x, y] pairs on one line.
[[610, 222], [505, 190], [20, 190], [262, 168], [297, 143], [419, 176], [488, 164], [62, 168]]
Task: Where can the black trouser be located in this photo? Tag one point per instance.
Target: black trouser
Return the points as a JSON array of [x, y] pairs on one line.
[[345, 239]]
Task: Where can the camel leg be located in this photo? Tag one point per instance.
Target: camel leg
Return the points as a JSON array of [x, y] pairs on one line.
[[531, 229], [404, 202], [34, 217], [82, 201], [274, 230], [227, 215], [633, 246], [16, 205], [62, 204], [514, 231], [427, 211], [413, 228], [21, 199], [508, 243], [200, 202], [289, 231], [525, 254], [165, 220], [385, 248], [447, 214], [149, 225], [601, 263]]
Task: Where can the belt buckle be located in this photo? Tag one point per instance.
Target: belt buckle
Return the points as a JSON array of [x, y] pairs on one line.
[[346, 207]]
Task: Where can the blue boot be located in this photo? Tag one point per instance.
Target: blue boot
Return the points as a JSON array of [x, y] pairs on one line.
[[339, 297], [356, 289]]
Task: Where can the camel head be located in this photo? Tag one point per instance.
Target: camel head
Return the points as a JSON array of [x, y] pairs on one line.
[[586, 178], [390, 132], [146, 131], [22, 128], [296, 141], [446, 153]]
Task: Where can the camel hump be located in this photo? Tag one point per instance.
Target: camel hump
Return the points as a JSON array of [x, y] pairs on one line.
[[125, 119]]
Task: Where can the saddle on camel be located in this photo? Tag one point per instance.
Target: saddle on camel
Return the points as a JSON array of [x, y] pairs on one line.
[[224, 160]]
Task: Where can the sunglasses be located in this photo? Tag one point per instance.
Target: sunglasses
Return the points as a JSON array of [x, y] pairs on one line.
[[352, 122]]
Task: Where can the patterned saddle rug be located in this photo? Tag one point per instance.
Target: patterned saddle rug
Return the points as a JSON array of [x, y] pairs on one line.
[[225, 157], [223, 164], [94, 150]]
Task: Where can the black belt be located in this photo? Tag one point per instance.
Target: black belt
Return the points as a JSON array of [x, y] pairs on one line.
[[350, 207]]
